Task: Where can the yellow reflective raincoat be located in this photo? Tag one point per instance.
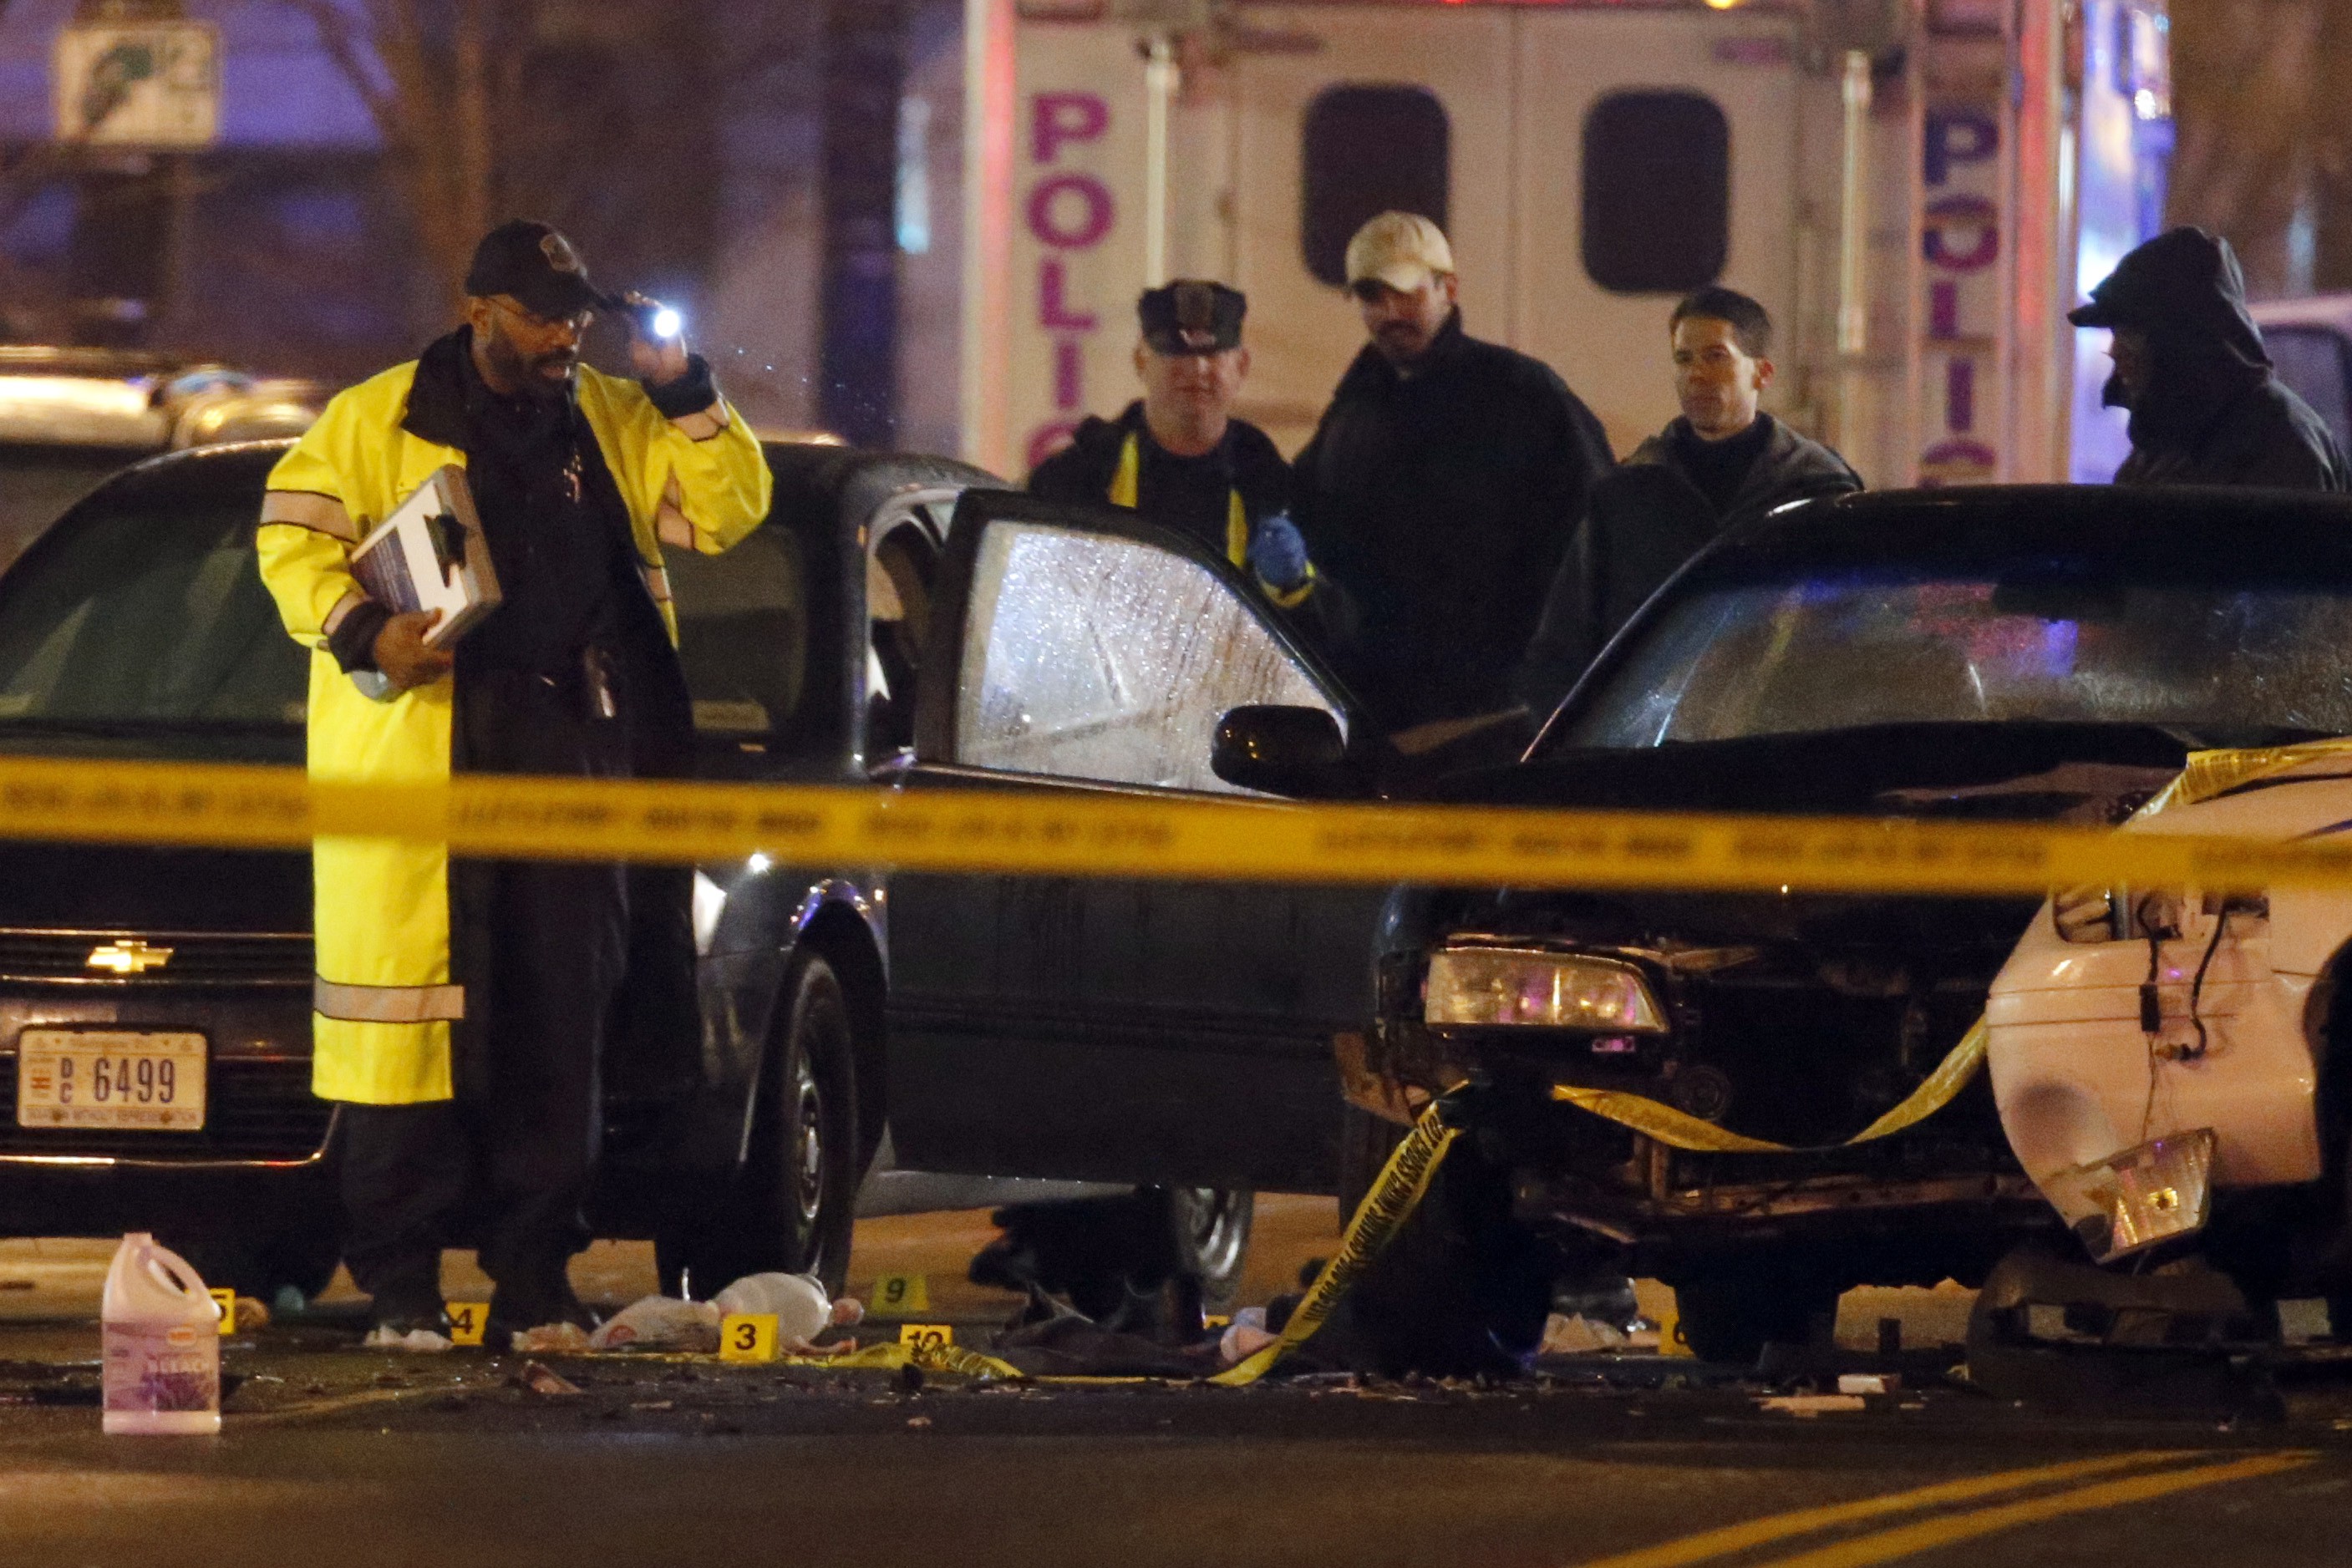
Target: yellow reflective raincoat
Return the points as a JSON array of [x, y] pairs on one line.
[[384, 997]]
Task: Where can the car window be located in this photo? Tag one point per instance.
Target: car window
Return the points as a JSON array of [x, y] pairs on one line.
[[898, 571], [1099, 657], [148, 613], [38, 483], [1864, 647], [743, 635]]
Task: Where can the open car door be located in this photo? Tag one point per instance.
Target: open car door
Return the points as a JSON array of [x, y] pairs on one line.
[[1112, 1028]]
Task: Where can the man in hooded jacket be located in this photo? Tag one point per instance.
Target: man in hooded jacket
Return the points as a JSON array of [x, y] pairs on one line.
[[2190, 367]]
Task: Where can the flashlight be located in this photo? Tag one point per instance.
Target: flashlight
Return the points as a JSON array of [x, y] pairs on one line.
[[653, 319]]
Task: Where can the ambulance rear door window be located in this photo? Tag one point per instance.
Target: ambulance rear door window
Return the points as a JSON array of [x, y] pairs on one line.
[[1368, 149], [1658, 191]]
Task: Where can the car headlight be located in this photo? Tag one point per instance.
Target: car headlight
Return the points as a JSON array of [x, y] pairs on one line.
[[1548, 991]]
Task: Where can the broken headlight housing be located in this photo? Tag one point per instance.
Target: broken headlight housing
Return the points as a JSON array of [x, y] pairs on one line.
[[2132, 1200], [1480, 986], [2094, 913]]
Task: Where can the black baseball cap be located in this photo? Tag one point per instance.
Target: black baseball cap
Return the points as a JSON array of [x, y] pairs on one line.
[[532, 263], [1191, 316]]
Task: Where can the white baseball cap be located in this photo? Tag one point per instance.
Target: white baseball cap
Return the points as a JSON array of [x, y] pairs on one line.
[[1403, 250]]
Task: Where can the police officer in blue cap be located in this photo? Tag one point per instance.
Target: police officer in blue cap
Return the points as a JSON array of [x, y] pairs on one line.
[[1179, 457]]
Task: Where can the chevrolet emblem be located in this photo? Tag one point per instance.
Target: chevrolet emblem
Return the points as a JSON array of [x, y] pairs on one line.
[[131, 957]]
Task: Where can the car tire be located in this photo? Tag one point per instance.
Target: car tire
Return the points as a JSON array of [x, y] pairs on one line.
[[793, 1206], [1365, 1143], [1462, 1289], [1729, 1314]]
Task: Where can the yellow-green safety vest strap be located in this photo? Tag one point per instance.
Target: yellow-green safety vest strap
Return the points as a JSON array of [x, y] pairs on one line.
[[1127, 488]]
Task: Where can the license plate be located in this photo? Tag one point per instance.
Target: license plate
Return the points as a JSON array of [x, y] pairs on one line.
[[116, 1080]]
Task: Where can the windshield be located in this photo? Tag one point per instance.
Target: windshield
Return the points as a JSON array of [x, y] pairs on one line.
[[148, 612], [145, 615], [38, 483], [1880, 646]]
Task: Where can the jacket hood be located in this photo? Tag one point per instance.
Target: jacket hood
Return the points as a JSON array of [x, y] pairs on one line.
[[2185, 283], [2185, 292]]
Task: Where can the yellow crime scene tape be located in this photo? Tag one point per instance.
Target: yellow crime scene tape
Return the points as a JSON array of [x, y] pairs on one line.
[[1404, 1182], [1681, 1130], [1056, 833]]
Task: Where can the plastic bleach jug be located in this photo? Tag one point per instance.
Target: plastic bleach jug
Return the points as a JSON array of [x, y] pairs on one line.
[[161, 1368]]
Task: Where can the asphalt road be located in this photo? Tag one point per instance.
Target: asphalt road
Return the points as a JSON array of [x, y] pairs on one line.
[[335, 1456]]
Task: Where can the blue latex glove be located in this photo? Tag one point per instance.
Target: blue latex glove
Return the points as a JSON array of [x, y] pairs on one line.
[[1277, 553]]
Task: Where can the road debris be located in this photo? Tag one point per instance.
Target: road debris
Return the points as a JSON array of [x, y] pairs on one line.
[[797, 1302], [542, 1379], [661, 1322]]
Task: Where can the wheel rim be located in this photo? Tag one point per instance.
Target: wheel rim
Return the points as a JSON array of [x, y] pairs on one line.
[[808, 1145], [1215, 1230]]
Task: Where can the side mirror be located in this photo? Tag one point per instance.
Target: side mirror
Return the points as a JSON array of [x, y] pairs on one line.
[[1283, 751]]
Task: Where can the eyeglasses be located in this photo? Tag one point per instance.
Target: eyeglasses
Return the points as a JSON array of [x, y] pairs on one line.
[[578, 320]]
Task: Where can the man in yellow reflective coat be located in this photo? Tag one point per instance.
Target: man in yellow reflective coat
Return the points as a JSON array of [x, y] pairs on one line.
[[461, 1009]]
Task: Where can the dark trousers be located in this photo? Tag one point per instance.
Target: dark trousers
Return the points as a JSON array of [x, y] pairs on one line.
[[512, 1164], [509, 1160]]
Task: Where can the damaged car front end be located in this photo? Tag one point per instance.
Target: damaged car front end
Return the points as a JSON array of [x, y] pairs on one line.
[[1763, 1099], [2168, 1066], [1767, 1096]]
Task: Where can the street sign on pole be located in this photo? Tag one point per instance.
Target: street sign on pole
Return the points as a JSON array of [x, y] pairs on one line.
[[138, 84]]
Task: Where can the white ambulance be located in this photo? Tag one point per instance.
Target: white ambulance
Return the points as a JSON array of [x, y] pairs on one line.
[[1917, 191]]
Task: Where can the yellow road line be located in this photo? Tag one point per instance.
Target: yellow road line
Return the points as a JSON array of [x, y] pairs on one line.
[[1734, 1537], [1928, 1534]]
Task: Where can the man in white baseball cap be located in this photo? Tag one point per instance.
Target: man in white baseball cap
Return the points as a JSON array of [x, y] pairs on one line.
[[1401, 270], [1442, 487]]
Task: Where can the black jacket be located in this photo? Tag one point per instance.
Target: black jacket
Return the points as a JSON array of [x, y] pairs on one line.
[[1193, 494], [1647, 518], [1443, 503], [1186, 492], [2212, 413]]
